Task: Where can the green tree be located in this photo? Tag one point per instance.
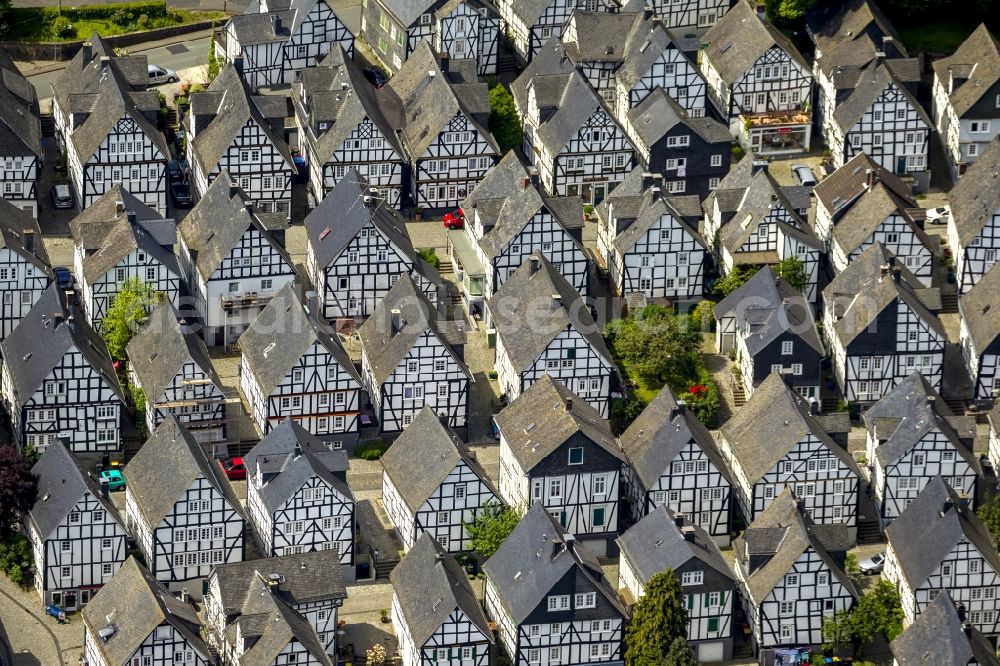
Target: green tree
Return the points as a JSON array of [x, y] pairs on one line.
[[505, 121], [680, 653], [788, 10], [792, 271], [128, 312], [658, 344], [659, 618], [491, 526], [734, 279], [214, 65], [17, 487], [15, 558], [989, 512], [878, 612], [430, 256]]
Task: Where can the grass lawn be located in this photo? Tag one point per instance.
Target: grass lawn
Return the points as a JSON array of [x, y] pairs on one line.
[[30, 25], [940, 37]]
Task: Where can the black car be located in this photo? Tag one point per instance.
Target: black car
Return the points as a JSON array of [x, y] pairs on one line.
[[376, 77], [181, 193], [174, 170], [64, 278]]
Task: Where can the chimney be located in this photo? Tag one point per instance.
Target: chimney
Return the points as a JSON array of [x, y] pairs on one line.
[[879, 57], [647, 14], [885, 270], [569, 404], [556, 300], [681, 407], [891, 260], [276, 23], [960, 609], [533, 175], [758, 166], [104, 481], [88, 52], [397, 320], [814, 406], [526, 182], [431, 74], [445, 61], [71, 324], [119, 208], [296, 451], [679, 520], [184, 595], [871, 177], [946, 507], [238, 64], [895, 274], [132, 220], [647, 180], [967, 628], [534, 265], [800, 504], [29, 240], [654, 193], [688, 533]]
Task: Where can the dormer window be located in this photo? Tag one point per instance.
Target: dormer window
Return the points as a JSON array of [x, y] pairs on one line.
[[425, 19], [692, 577], [322, 127]]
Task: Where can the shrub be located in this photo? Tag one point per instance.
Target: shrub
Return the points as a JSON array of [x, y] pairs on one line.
[[430, 256], [371, 450], [121, 17], [15, 558], [144, 22], [61, 27]]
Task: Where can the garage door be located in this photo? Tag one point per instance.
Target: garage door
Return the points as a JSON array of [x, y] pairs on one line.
[[710, 652]]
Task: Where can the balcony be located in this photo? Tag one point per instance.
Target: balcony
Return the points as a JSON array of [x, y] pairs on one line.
[[244, 301], [771, 118]]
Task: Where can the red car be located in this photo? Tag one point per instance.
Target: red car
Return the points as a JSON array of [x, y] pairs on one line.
[[234, 469], [455, 219]]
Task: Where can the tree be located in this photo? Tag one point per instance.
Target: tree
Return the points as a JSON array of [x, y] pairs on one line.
[[17, 487], [491, 526], [128, 312], [505, 121], [214, 66], [734, 279], [878, 612], [657, 344], [788, 10], [792, 271], [15, 557], [659, 618], [989, 512], [680, 654]]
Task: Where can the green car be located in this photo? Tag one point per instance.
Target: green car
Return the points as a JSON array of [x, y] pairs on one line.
[[116, 480]]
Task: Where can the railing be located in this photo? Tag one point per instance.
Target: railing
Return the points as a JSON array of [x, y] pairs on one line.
[[789, 117], [252, 300]]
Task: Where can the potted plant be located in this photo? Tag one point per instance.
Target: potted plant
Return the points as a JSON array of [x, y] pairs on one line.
[[385, 616], [418, 213], [588, 210]]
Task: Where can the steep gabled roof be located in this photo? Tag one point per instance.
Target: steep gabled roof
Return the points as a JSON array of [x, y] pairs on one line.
[[739, 38], [14, 227], [849, 183], [976, 196], [872, 81], [939, 636], [759, 199], [287, 439], [849, 33], [550, 60], [274, 625], [20, 127], [649, 210], [980, 310], [575, 102], [978, 61], [62, 482], [656, 115], [430, 584], [288, 472], [646, 41], [869, 211], [600, 36]]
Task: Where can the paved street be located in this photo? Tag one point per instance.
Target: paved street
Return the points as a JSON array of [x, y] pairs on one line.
[[37, 639]]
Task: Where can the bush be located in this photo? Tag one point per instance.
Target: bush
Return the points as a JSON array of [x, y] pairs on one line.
[[430, 256], [16, 559], [371, 450], [144, 22], [61, 27], [703, 397], [624, 411], [121, 17]]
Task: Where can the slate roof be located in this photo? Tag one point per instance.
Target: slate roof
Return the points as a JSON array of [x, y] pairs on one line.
[[158, 352], [770, 424], [550, 60], [980, 310], [775, 308], [649, 213], [659, 433], [575, 102], [537, 423], [62, 482], [656, 543], [20, 128], [430, 584], [869, 211], [259, 28], [940, 530], [873, 80], [40, 341], [600, 36], [976, 195], [849, 35], [171, 447], [305, 578], [278, 337], [385, 349], [14, 222], [217, 223], [762, 194], [938, 636], [646, 42], [522, 324], [274, 625], [656, 115], [739, 38], [137, 604], [423, 456], [287, 439], [842, 188], [536, 555], [729, 192], [978, 60], [784, 532], [289, 471]]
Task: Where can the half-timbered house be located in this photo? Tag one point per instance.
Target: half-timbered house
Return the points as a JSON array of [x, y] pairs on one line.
[[77, 537], [435, 612], [25, 272], [912, 437], [769, 324], [106, 122], [59, 383], [664, 540], [979, 335], [20, 126], [342, 126], [278, 610], [993, 450], [230, 129], [118, 238], [544, 328], [966, 99], [941, 635], [791, 580], [169, 362], [758, 82], [293, 367], [974, 219], [686, 15], [134, 620], [879, 328], [775, 442], [444, 125], [277, 39], [940, 545], [411, 357], [558, 450], [432, 483], [182, 513], [549, 598], [298, 500], [233, 259], [570, 136], [357, 246], [647, 244]]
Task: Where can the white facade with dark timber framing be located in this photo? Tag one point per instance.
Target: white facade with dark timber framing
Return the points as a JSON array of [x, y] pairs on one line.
[[791, 580], [187, 521], [557, 450], [939, 544], [25, 271], [979, 335], [77, 537], [233, 260], [878, 327], [277, 39], [435, 613], [433, 484], [20, 127], [134, 620], [293, 367], [298, 500], [357, 246], [229, 129], [678, 15], [912, 438], [974, 219], [410, 358], [758, 82], [564, 611], [59, 383], [531, 24], [105, 120], [672, 460]]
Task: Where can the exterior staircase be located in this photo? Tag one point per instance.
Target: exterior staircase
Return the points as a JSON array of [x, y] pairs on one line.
[[949, 302], [829, 404], [739, 394], [742, 651], [869, 532], [48, 124], [957, 405], [384, 566], [508, 62]]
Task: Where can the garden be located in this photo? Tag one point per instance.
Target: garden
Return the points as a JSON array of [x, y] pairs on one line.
[[51, 24]]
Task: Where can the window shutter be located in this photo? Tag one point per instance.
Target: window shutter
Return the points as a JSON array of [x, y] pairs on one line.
[[690, 601], [722, 598], [705, 601]]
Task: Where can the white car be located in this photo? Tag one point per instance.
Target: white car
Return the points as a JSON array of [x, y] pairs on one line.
[[161, 75], [938, 215]]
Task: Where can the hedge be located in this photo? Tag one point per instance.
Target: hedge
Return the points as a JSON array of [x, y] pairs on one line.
[[114, 12]]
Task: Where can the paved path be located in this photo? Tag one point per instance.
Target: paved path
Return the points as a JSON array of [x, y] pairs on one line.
[[37, 639]]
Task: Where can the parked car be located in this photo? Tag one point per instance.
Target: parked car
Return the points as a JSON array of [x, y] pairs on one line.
[[455, 219], [161, 75], [375, 76], [115, 478], [181, 192], [938, 215], [872, 565], [803, 175], [174, 170], [64, 277], [234, 469], [62, 196]]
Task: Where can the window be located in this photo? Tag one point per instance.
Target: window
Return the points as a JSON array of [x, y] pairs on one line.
[[786, 347], [585, 600], [598, 518], [692, 577], [559, 602], [919, 459], [796, 368], [576, 455], [107, 569], [786, 608], [65, 546], [791, 580], [555, 489], [980, 126], [65, 572], [900, 114], [600, 484]]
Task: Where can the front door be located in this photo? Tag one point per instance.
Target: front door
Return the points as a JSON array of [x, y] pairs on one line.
[[600, 191], [69, 600]]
